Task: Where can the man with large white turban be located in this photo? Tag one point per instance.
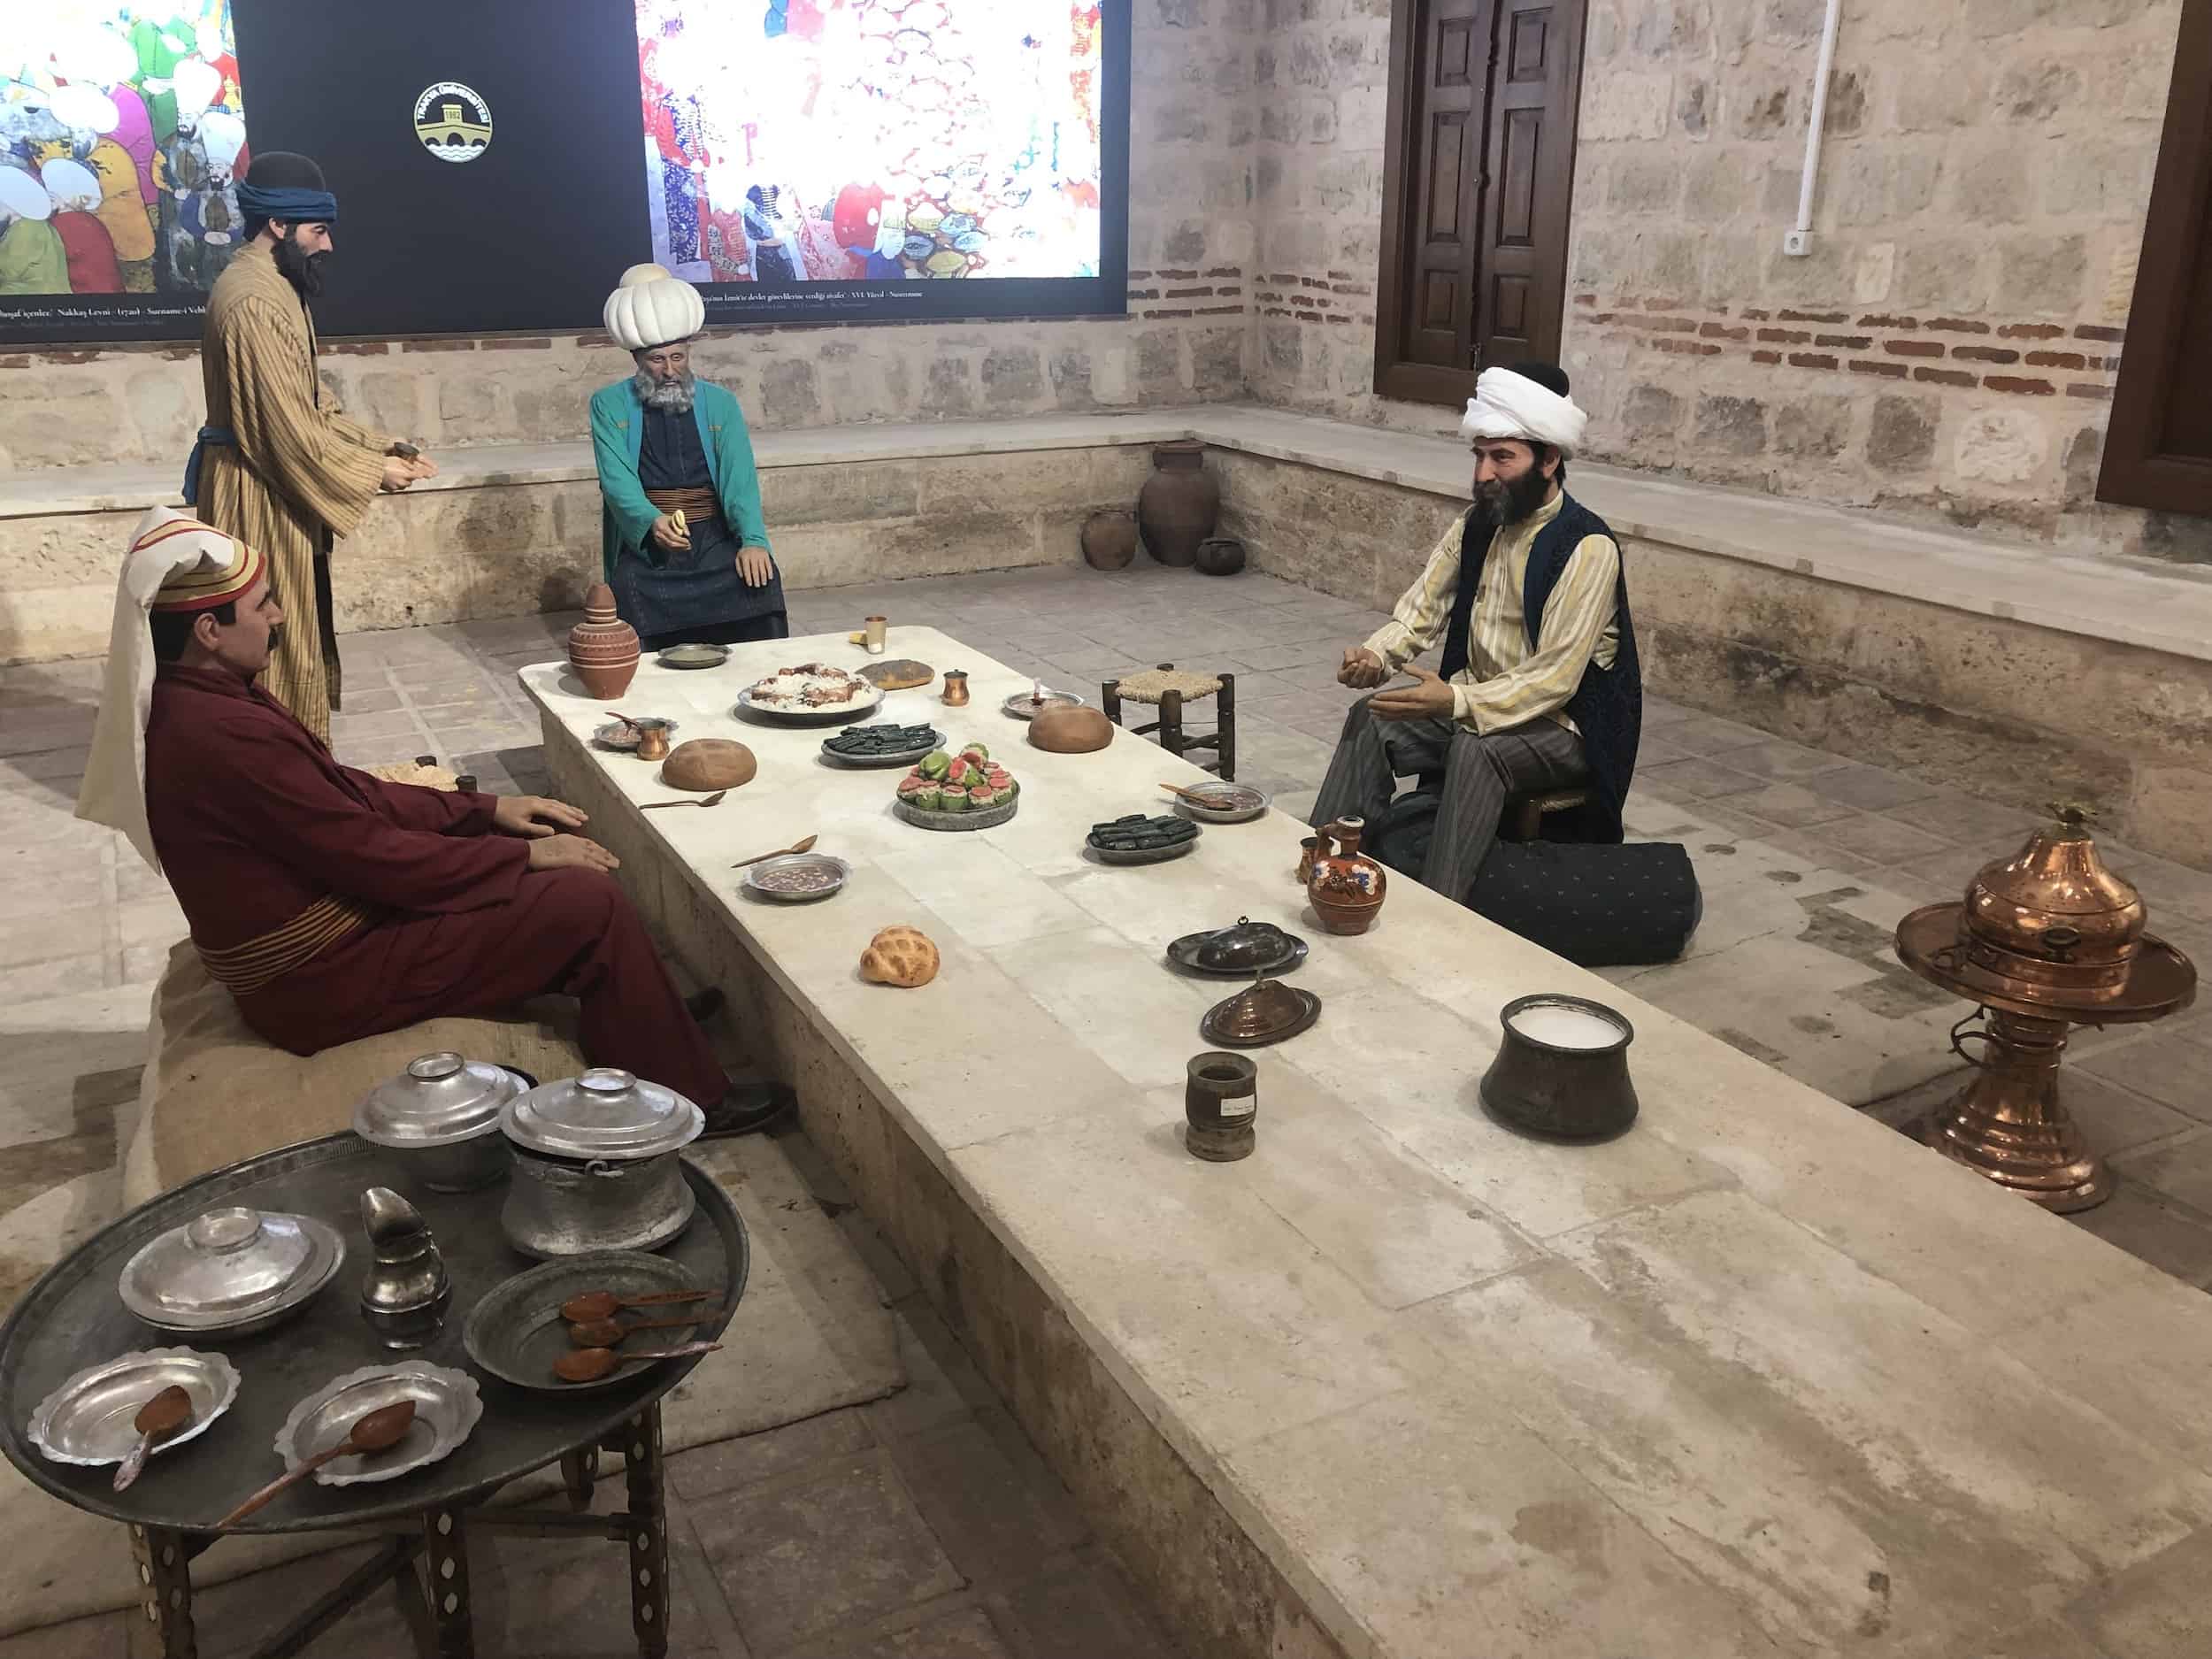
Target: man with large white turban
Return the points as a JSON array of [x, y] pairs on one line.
[[1539, 687], [683, 542]]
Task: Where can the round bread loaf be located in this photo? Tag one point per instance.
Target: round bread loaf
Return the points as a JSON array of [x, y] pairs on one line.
[[707, 763], [900, 956], [1071, 730], [900, 673]]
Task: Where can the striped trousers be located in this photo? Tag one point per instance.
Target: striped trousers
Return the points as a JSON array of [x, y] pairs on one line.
[[1480, 771]]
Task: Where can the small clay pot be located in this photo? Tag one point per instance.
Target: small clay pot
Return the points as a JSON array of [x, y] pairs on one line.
[[705, 763], [1071, 730], [1109, 538], [602, 648], [1220, 555]]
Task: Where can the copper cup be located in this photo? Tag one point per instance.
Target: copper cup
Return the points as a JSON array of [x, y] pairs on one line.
[[956, 689]]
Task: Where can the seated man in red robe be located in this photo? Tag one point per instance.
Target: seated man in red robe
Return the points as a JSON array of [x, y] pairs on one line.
[[335, 905]]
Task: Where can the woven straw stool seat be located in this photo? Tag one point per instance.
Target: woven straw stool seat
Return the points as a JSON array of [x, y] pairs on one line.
[[1149, 686], [1168, 689]]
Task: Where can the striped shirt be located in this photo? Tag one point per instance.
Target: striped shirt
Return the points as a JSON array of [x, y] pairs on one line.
[[1505, 683]]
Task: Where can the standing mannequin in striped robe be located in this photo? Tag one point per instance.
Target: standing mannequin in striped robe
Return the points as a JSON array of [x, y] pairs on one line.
[[277, 464]]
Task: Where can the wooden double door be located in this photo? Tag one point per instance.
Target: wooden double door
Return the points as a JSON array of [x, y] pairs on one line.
[[1479, 178]]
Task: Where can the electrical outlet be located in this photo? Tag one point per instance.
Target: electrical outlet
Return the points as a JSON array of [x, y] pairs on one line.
[[1797, 243]]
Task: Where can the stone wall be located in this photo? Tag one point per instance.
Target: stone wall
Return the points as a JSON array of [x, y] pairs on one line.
[[1191, 238], [2003, 709], [1948, 350]]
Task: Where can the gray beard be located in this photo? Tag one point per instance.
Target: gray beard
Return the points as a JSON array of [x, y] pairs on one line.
[[674, 396]]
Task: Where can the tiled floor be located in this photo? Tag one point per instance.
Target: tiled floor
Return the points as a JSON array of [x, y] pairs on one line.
[[923, 1526]]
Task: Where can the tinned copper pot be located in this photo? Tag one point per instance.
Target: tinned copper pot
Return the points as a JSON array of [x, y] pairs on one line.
[[2052, 920]]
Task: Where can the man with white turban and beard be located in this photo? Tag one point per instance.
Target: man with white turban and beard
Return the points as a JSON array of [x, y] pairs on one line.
[[683, 542], [1539, 687]]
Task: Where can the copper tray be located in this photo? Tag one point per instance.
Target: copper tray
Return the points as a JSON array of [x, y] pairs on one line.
[[2160, 981]]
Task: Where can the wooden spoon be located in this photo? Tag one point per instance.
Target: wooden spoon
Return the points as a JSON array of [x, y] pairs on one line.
[[604, 1304], [804, 846], [610, 1333], [377, 1431], [709, 800], [589, 1364], [1190, 795], [159, 1418]]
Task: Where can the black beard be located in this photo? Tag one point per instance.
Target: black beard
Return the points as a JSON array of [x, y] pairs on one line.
[[1509, 502], [675, 396], [276, 639], [303, 270]]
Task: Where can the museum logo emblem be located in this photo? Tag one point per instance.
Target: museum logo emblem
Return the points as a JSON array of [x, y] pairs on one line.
[[453, 122]]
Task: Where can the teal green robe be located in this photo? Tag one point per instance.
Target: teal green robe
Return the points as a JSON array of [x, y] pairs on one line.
[[626, 517]]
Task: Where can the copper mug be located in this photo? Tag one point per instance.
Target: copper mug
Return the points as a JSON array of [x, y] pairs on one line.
[[956, 689]]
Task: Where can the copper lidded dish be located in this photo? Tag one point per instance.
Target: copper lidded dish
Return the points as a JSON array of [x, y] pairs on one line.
[[441, 1117], [2051, 922], [1264, 1012], [233, 1270]]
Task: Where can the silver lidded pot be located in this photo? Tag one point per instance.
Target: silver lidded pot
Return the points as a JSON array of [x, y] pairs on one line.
[[406, 1291], [440, 1118], [595, 1164], [232, 1270]]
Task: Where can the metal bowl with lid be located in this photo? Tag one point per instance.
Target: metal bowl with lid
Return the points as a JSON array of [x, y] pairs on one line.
[[596, 1166], [442, 1116], [2052, 920], [1266, 1012], [1246, 948], [234, 1269]]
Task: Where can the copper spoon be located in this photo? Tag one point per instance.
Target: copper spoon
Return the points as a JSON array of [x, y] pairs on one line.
[[610, 1333], [377, 1431], [702, 801], [589, 1364], [159, 1418], [604, 1304], [781, 852]]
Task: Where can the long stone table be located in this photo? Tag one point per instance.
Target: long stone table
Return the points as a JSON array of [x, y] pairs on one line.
[[1759, 1378]]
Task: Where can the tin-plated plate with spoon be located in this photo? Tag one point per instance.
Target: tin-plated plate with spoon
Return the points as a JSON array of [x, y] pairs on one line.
[[447, 1407], [517, 1331], [88, 1420]]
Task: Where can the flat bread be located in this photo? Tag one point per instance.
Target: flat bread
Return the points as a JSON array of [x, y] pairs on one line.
[[901, 674]]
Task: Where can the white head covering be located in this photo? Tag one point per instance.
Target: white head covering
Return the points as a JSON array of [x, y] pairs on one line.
[[198, 565], [196, 83], [71, 185], [21, 196], [1509, 405], [86, 109], [223, 135], [652, 307]]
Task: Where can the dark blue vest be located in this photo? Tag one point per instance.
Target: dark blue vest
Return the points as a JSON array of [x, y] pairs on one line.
[[1608, 708]]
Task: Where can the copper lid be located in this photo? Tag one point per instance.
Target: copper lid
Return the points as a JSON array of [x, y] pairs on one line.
[[2052, 914], [1267, 1008]]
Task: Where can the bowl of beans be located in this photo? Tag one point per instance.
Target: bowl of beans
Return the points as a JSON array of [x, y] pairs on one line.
[[796, 877]]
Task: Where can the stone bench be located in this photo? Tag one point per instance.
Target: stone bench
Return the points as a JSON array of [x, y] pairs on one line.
[[2007, 670]]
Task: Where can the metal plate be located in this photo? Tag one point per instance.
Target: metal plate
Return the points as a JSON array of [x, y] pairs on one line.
[[1022, 705], [1184, 954], [1133, 855], [694, 655], [622, 735], [517, 1332], [88, 1419], [1210, 1028], [872, 763], [797, 861], [850, 714], [72, 1312], [447, 1408], [2161, 979], [991, 817], [1199, 814]]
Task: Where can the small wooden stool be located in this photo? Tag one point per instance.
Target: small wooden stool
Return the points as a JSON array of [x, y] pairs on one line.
[[1523, 819], [1170, 687]]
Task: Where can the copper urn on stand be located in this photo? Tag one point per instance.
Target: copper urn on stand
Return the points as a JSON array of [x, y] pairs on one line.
[[2045, 939]]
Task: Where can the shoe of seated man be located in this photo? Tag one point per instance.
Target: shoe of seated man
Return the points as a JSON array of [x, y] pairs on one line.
[[749, 1106]]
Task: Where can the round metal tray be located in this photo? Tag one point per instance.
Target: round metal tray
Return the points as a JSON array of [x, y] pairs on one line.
[[852, 714], [447, 1408], [1135, 856], [1210, 1030], [1199, 814], [1023, 704], [797, 861], [517, 1332], [876, 763], [694, 655], [88, 1419], [990, 818], [73, 1311]]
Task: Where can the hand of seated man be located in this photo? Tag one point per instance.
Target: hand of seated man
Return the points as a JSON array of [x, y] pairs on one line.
[[1363, 670], [534, 816], [1428, 698], [570, 852]]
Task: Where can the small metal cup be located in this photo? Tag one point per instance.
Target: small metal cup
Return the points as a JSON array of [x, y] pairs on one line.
[[875, 628], [1557, 1090], [1220, 1105]]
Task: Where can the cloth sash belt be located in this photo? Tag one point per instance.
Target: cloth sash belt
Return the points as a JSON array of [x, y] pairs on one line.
[[207, 435], [694, 504], [244, 969]]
